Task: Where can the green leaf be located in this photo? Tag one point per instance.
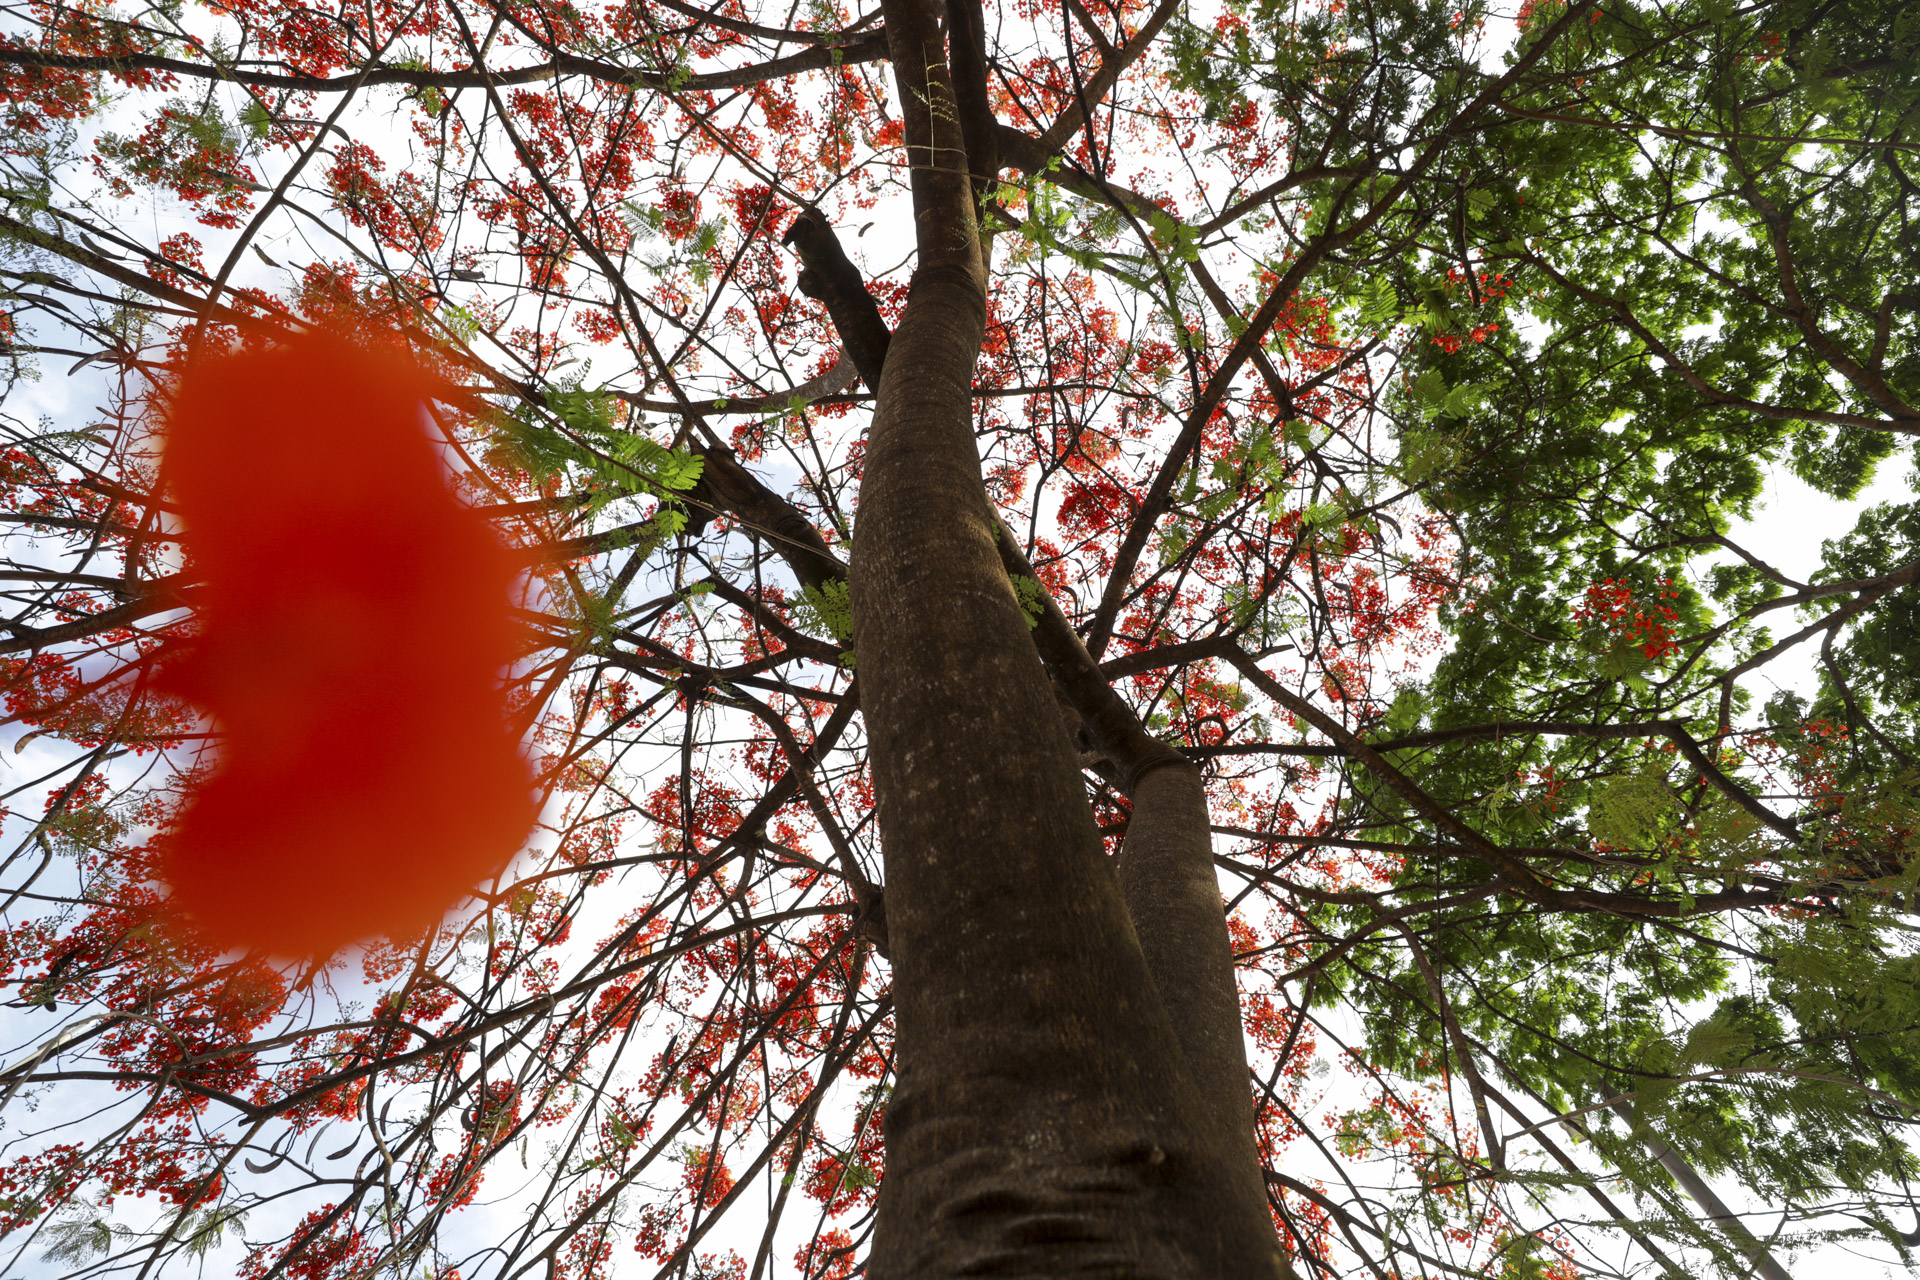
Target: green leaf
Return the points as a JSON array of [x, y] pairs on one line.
[[826, 612], [1430, 388], [1626, 812], [257, 119], [1379, 303], [77, 1240], [1032, 596], [623, 462]]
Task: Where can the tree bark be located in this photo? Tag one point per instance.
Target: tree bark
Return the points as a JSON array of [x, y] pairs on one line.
[[967, 48], [829, 276], [1044, 1120], [1165, 871], [725, 485], [1166, 877], [1167, 881]]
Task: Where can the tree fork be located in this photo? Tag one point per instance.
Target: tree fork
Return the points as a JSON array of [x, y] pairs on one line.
[[967, 45], [1044, 1118], [1166, 876], [1165, 870]]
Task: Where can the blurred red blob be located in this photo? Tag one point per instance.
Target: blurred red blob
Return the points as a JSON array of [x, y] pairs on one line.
[[355, 624]]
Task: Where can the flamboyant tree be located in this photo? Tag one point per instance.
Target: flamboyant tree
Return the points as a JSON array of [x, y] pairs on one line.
[[1129, 633]]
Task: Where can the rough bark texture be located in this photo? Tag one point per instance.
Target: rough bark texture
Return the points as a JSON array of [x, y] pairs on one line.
[[1044, 1121], [1167, 881]]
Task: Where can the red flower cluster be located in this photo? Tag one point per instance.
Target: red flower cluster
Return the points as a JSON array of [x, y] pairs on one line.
[[1614, 605]]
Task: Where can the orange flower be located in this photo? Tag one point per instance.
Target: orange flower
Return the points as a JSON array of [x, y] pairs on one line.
[[355, 627]]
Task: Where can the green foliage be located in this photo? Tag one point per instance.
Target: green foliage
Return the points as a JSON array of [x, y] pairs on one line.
[[825, 611], [76, 1240], [1880, 655], [206, 1230], [1032, 596], [580, 429], [1626, 813], [688, 253], [256, 119], [1085, 234]]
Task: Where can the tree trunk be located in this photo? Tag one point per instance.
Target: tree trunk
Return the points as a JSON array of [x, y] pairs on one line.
[[1044, 1120], [1166, 879]]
